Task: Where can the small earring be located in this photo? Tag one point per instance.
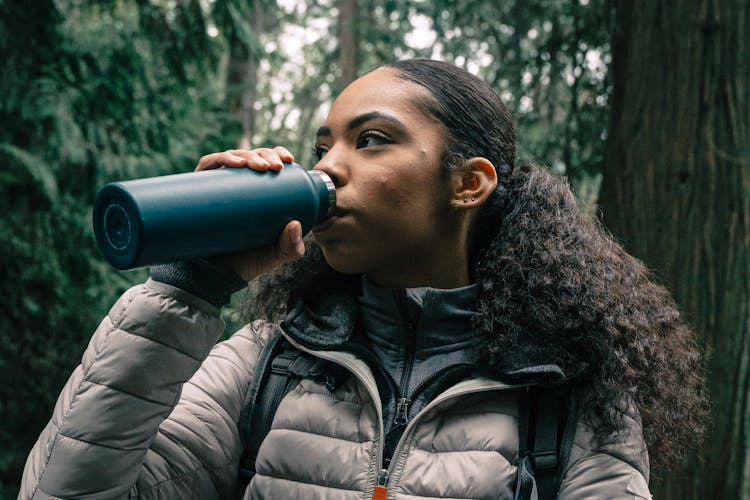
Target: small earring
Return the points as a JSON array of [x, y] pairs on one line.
[[454, 206], [473, 199], [466, 200]]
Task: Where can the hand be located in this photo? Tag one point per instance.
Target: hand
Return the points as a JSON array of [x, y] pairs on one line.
[[260, 159], [252, 263]]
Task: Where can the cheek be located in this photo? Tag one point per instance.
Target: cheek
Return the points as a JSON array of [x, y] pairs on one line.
[[389, 190]]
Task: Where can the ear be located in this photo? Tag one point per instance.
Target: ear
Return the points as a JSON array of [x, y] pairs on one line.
[[473, 184]]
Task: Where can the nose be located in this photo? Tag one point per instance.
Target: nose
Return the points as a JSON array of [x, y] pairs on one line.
[[332, 164]]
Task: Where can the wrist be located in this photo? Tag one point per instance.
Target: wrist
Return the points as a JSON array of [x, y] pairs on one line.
[[208, 280]]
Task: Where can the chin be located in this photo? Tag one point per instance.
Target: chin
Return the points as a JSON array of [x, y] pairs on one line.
[[345, 267], [342, 262]]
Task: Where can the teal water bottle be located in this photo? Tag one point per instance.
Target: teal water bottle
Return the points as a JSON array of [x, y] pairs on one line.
[[200, 214]]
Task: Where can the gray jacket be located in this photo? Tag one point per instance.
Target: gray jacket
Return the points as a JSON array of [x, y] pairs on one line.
[[152, 412]]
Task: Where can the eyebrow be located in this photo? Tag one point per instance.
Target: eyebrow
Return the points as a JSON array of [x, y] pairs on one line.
[[363, 118]]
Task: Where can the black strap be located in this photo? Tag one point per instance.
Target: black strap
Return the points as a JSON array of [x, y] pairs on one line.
[[539, 421], [249, 409], [279, 369], [525, 484], [544, 457]]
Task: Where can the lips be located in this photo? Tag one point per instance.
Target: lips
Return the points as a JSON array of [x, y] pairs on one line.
[[330, 221]]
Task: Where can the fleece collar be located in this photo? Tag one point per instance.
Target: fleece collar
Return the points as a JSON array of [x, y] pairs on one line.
[[329, 321], [325, 323]]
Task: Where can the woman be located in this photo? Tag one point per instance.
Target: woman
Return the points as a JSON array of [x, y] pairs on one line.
[[443, 258]]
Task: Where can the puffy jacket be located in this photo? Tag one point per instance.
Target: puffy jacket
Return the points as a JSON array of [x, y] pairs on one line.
[[152, 412]]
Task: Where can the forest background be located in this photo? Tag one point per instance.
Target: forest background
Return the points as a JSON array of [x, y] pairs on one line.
[[644, 106]]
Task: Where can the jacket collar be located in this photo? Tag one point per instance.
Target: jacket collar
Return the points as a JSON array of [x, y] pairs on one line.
[[326, 322], [329, 321], [421, 322]]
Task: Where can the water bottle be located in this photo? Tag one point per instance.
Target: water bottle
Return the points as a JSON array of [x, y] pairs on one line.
[[199, 214]]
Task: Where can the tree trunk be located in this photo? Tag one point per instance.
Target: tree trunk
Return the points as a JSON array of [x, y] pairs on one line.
[[676, 191], [348, 41], [242, 78]]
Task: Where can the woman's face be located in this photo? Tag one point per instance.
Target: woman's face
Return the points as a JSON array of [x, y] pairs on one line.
[[384, 153]]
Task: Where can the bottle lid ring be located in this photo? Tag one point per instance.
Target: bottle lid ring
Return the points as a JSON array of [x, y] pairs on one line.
[[331, 190]]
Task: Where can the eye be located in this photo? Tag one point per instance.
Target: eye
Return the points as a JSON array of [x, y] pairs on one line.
[[370, 138], [319, 152]]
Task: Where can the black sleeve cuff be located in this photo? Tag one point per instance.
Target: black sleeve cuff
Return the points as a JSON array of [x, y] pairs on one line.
[[211, 282]]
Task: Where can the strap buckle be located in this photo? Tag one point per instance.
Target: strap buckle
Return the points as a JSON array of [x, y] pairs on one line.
[[543, 461]]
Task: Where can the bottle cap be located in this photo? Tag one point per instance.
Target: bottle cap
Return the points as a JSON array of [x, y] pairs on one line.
[[331, 190]]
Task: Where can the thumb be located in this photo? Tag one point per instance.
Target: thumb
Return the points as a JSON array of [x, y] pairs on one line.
[[291, 244]]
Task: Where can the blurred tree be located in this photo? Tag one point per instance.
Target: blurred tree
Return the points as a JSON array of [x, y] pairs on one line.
[[89, 92], [547, 60], [242, 23], [340, 39], [242, 68], [348, 41], [676, 190]]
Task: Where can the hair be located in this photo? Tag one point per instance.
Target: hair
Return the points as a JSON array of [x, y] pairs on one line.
[[555, 288]]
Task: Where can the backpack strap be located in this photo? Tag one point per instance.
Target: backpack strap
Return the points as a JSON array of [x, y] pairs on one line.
[[279, 369], [540, 420]]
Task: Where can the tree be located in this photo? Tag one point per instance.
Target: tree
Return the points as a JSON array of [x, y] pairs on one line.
[[676, 191], [89, 92], [547, 60], [242, 23], [348, 41]]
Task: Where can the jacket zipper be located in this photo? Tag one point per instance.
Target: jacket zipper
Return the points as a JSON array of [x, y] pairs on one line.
[[405, 403], [469, 387], [402, 405], [381, 485]]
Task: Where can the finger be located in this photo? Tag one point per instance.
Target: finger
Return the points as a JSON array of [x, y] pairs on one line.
[[253, 160], [218, 160], [272, 157], [251, 264], [284, 154]]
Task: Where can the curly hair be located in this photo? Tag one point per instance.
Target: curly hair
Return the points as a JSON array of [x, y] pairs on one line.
[[554, 286], [558, 289]]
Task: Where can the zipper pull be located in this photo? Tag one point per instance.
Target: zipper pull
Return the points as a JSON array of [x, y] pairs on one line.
[[402, 411], [381, 486]]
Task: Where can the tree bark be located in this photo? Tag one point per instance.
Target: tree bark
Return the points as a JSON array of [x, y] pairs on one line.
[[242, 79], [676, 191], [348, 41]]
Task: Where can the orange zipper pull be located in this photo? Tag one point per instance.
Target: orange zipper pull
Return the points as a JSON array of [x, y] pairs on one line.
[[381, 487]]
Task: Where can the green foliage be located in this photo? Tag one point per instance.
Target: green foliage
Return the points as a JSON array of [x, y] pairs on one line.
[[90, 92], [547, 59]]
